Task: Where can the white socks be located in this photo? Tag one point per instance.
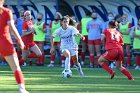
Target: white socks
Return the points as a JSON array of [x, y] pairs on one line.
[[67, 63]]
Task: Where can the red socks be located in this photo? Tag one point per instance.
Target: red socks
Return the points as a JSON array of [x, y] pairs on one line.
[[137, 60], [19, 77], [42, 58], [128, 60], [62, 57], [127, 73], [107, 68], [92, 59], [83, 56], [52, 57], [71, 62], [33, 55], [21, 62]]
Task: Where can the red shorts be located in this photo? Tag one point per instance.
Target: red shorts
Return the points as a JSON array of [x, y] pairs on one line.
[[29, 45], [7, 49], [114, 54], [86, 39], [94, 42], [39, 42], [56, 43]]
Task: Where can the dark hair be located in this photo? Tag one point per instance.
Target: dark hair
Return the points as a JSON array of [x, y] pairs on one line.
[[88, 13], [71, 22], [113, 24]]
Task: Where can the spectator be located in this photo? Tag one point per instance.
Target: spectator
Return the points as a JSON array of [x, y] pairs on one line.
[[84, 32], [94, 28], [39, 37], [136, 44], [125, 28]]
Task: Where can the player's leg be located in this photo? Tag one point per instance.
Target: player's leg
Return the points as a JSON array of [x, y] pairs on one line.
[[128, 55], [120, 67], [84, 45], [102, 61], [124, 70], [24, 57], [91, 53], [97, 44], [66, 53], [41, 47], [77, 64], [52, 58], [14, 64]]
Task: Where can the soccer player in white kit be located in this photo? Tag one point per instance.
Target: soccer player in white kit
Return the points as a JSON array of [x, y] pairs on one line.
[[68, 45]]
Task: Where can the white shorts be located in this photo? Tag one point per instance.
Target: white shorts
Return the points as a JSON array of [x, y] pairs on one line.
[[72, 51]]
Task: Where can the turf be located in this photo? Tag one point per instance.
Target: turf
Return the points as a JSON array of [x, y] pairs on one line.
[[49, 80]]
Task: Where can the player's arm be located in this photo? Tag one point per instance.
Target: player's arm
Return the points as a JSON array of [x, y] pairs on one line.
[[134, 35], [43, 29], [56, 33], [81, 36], [14, 30], [28, 31]]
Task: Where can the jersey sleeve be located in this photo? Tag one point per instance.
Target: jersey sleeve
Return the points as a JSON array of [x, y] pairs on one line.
[[56, 33], [24, 26], [74, 31]]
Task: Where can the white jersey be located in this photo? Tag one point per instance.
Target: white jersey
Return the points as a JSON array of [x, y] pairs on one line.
[[67, 37]]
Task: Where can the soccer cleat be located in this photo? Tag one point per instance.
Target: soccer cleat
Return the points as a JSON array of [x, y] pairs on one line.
[[24, 65], [112, 75], [91, 66], [51, 65], [137, 67], [23, 91], [78, 66], [131, 78]]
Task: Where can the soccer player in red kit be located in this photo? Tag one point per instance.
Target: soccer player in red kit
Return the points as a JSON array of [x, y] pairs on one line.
[[28, 32], [114, 51], [7, 49]]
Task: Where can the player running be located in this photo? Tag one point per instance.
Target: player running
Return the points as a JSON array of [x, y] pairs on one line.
[[114, 51], [68, 46], [7, 49]]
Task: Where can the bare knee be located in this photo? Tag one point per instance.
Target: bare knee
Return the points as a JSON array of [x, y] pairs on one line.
[[66, 53]]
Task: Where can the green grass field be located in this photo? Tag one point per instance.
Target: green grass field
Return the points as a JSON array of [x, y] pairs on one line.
[[49, 80]]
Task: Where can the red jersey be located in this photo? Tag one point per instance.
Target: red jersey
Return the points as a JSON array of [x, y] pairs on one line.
[[6, 44], [113, 39], [26, 26], [4, 28]]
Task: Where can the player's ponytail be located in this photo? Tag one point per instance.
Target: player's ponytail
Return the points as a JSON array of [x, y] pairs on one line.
[[113, 24]]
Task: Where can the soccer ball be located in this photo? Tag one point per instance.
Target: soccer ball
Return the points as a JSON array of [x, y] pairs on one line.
[[67, 74]]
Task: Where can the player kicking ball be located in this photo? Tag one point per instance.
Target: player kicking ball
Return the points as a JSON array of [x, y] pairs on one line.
[[114, 51], [68, 46]]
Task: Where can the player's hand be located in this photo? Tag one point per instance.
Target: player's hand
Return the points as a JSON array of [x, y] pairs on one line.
[[22, 46], [52, 51], [83, 38]]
